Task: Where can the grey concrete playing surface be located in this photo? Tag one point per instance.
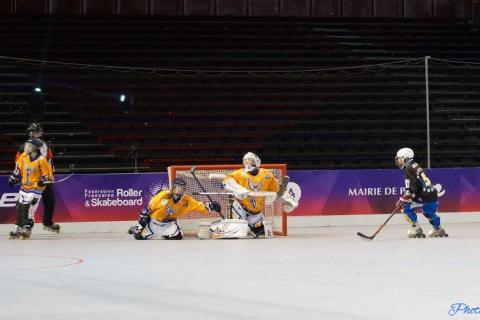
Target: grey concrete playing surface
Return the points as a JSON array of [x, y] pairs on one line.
[[323, 273]]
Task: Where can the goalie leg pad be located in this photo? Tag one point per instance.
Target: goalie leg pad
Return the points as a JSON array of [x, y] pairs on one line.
[[238, 212], [179, 236], [229, 229], [162, 230], [254, 220]]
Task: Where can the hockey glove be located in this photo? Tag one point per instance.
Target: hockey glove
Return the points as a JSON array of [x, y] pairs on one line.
[[404, 201], [214, 206], [42, 181], [144, 217], [12, 180]]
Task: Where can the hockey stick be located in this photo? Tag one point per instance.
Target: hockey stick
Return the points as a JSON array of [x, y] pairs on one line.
[[63, 179], [250, 194], [45, 182], [283, 186], [381, 227], [192, 171]]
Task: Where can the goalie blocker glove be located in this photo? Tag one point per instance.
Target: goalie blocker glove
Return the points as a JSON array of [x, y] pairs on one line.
[[214, 206], [144, 217]]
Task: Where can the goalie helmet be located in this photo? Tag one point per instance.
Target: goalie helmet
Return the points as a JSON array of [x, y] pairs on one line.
[[178, 187], [251, 161], [404, 157]]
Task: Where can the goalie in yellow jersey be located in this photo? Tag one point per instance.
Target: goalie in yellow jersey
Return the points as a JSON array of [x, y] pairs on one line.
[[158, 220], [33, 172], [253, 178]]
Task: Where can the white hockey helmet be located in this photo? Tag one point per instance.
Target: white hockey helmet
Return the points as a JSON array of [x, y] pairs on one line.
[[251, 161], [404, 157]]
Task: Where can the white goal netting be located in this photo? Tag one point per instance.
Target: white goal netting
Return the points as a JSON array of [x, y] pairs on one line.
[[210, 176]]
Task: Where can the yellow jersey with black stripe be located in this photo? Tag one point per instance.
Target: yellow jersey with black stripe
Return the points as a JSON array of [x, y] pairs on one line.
[[32, 170], [163, 208], [264, 180]]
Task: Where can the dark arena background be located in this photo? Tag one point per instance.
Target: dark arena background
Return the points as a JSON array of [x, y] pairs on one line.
[[132, 94]]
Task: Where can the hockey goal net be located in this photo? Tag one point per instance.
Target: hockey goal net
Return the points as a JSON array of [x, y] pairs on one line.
[[209, 177]]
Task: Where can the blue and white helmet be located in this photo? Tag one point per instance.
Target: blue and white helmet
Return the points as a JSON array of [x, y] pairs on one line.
[[404, 157]]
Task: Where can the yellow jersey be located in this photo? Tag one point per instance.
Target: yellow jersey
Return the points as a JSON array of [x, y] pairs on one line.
[[32, 170], [264, 180], [164, 209]]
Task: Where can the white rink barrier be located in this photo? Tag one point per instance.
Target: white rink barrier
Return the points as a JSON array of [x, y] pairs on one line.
[[295, 223]]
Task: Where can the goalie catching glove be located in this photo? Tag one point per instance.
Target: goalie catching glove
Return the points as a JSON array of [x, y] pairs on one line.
[[289, 202]]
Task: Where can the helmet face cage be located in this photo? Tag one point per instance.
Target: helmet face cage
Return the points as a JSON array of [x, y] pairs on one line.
[[32, 145], [251, 161], [399, 162], [29, 148], [178, 187], [403, 157]]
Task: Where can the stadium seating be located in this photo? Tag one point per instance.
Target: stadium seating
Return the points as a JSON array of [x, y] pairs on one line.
[[355, 118]]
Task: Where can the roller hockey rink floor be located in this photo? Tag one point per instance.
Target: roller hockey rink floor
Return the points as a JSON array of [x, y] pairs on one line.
[[322, 273]]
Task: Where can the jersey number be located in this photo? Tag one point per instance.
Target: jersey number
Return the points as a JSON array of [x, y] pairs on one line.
[[425, 179]]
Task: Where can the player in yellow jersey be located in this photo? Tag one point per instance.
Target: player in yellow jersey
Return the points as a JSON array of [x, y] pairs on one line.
[[253, 178], [33, 172], [158, 220]]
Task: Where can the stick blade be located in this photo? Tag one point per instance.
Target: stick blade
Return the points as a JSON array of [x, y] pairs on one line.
[[361, 235], [193, 169]]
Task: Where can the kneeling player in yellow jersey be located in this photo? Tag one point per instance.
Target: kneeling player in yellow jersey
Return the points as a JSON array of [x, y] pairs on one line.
[[253, 178], [158, 220], [33, 171]]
